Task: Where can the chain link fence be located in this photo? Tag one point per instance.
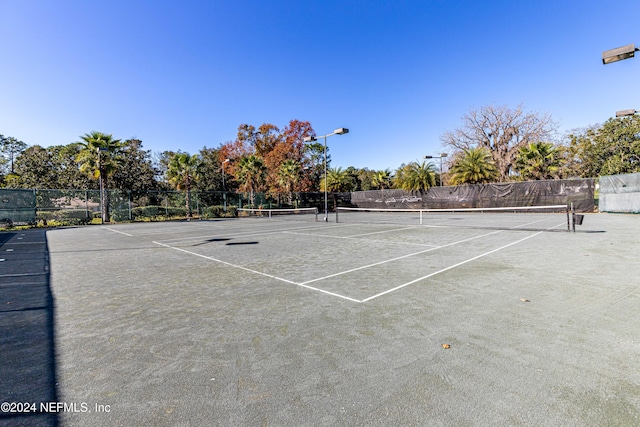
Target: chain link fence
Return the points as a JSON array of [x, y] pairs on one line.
[[17, 206], [71, 207]]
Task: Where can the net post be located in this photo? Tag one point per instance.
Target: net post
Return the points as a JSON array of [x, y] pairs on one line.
[[573, 218], [269, 210], [316, 214], [336, 214], [420, 216]]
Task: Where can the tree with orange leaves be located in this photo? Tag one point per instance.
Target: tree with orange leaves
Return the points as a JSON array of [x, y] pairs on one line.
[[275, 148]]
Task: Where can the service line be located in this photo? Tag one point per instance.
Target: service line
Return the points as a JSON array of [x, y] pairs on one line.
[[257, 272], [449, 268], [401, 257], [118, 231]]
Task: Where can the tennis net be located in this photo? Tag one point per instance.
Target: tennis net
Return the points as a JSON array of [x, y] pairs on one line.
[[556, 217], [299, 214]]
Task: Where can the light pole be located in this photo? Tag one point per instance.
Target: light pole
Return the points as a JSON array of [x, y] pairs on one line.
[[224, 189], [620, 54], [101, 179], [441, 156], [340, 131]]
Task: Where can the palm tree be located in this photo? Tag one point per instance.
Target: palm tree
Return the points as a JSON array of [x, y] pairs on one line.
[[182, 173], [538, 160], [288, 176], [381, 179], [338, 180], [473, 166], [100, 157], [416, 176], [251, 172]]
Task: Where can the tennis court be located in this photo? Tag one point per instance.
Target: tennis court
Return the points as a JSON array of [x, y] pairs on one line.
[[289, 321]]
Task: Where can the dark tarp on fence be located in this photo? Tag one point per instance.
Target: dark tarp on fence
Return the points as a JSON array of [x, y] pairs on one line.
[[580, 192], [620, 193]]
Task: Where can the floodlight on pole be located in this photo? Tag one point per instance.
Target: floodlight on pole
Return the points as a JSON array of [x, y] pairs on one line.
[[623, 113], [339, 131], [619, 53], [441, 156]]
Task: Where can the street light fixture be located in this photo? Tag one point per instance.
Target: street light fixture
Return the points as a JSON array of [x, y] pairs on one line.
[[339, 131], [619, 53], [623, 113], [441, 156]]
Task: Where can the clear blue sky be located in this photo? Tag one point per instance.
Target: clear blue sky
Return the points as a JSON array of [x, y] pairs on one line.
[[185, 74]]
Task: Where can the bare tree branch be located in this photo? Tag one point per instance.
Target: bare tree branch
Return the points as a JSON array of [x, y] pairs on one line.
[[502, 131]]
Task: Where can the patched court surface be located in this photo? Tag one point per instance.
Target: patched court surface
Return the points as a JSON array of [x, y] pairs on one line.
[[290, 323]]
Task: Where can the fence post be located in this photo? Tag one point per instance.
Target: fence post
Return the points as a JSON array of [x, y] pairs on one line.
[[86, 205], [35, 206]]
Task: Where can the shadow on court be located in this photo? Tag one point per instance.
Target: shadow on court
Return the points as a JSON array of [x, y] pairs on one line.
[[28, 368]]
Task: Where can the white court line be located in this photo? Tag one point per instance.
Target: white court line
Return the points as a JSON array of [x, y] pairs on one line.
[[118, 231], [304, 284], [386, 242], [400, 257], [459, 264], [380, 232], [362, 234], [25, 274], [533, 222], [173, 230], [169, 229], [450, 267], [258, 272], [230, 233]]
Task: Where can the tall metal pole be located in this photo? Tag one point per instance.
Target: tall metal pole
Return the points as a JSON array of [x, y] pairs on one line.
[[224, 189], [340, 131], [101, 201], [101, 185], [326, 204], [438, 157], [224, 192]]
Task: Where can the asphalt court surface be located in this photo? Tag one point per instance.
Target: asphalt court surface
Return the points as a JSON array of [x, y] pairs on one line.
[[357, 262], [269, 322]]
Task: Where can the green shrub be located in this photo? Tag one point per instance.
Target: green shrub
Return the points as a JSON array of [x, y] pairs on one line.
[[145, 211], [72, 216], [44, 216], [218, 212], [152, 213], [175, 212], [64, 217], [121, 215]]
